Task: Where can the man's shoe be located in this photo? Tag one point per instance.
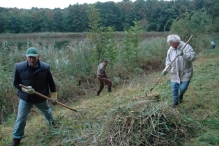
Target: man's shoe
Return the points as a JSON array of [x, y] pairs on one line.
[[109, 89], [174, 104], [15, 142], [180, 98], [54, 125], [98, 93]]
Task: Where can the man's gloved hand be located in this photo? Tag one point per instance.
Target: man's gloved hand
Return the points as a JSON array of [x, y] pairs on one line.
[[179, 52], [53, 96], [30, 90], [164, 72]]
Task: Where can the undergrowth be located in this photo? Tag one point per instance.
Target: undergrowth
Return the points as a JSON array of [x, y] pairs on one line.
[[125, 116]]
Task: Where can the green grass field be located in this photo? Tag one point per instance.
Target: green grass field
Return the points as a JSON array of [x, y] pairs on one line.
[[90, 126]]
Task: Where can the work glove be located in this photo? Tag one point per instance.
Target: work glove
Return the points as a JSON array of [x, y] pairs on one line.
[[164, 72], [53, 97], [30, 90], [179, 52]]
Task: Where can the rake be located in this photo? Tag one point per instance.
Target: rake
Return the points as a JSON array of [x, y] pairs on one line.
[[41, 95], [171, 63]]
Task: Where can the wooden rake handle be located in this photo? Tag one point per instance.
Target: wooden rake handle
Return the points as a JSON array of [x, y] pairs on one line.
[[41, 95], [156, 83]]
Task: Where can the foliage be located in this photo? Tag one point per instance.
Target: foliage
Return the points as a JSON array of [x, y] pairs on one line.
[[97, 114], [110, 15], [8, 99], [153, 54], [102, 38], [111, 48], [193, 23], [130, 45], [74, 76], [215, 19], [154, 15]]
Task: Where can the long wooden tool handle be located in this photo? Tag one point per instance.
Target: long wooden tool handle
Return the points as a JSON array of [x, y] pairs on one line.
[[41, 95], [156, 83], [171, 63]]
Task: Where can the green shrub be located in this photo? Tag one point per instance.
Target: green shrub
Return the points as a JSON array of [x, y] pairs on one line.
[[194, 23]]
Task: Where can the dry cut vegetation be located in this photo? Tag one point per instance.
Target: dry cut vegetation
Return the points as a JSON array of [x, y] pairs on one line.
[[145, 123]]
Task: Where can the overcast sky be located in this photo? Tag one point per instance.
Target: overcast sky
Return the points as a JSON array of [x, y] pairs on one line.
[[28, 4]]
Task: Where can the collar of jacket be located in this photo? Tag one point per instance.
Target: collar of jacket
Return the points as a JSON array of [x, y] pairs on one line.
[[37, 67]]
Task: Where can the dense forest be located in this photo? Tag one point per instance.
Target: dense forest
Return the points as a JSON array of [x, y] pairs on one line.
[[154, 15]]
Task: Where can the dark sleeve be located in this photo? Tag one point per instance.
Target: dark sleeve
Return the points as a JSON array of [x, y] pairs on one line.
[[17, 80], [51, 82]]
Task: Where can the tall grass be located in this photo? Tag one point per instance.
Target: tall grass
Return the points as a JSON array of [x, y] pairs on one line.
[[71, 64], [8, 97], [73, 69], [42, 35]]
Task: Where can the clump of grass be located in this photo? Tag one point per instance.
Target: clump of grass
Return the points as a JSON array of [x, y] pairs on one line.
[[211, 133], [143, 123], [211, 138]]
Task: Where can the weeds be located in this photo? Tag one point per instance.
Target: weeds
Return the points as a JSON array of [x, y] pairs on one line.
[[143, 123], [102, 118], [73, 69]]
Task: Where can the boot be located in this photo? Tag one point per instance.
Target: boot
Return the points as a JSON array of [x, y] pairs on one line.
[[53, 124], [15, 142], [98, 93], [109, 89], [180, 98], [174, 104]]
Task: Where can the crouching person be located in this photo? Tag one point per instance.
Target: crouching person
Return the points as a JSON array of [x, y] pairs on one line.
[[37, 77]]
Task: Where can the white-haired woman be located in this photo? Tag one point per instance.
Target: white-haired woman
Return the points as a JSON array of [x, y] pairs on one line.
[[181, 70]]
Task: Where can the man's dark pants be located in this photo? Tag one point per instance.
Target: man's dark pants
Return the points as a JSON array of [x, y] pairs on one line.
[[103, 80]]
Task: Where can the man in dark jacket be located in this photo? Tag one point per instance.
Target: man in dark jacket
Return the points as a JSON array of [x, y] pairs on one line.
[[37, 77], [102, 77]]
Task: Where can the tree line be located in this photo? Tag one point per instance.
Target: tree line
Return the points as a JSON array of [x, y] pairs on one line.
[[153, 15]]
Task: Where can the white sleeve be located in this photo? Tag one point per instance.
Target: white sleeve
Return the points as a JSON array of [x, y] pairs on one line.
[[189, 53]]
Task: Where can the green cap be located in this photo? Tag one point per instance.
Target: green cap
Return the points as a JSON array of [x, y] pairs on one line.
[[32, 52]]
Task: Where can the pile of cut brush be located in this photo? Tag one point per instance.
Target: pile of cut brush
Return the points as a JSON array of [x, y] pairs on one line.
[[144, 123]]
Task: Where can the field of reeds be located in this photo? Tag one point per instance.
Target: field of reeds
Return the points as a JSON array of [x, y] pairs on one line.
[[126, 116], [71, 35]]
